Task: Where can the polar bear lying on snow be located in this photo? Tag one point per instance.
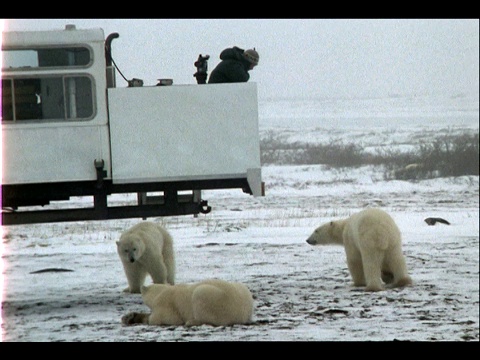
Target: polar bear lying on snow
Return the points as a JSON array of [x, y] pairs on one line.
[[146, 248], [213, 302], [373, 247]]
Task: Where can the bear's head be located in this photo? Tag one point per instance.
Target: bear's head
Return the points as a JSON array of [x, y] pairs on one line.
[[130, 248], [327, 234]]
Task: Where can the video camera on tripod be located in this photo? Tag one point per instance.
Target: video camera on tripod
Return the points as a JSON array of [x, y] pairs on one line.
[[202, 67]]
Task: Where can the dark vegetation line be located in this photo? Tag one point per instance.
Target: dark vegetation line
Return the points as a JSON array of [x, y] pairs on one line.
[[449, 155]]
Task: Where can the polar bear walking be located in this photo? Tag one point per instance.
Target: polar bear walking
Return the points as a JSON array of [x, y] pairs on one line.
[[212, 302], [373, 247], [146, 248]]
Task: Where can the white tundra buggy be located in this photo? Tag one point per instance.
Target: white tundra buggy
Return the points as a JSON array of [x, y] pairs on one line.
[[68, 131]]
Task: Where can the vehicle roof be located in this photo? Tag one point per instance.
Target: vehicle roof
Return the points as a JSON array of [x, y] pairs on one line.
[[70, 35]]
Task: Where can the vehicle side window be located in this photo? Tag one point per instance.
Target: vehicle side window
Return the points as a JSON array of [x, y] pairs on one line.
[[67, 97], [45, 58]]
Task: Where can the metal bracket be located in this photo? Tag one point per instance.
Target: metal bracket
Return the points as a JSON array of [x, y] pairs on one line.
[[101, 174], [204, 208], [100, 196]]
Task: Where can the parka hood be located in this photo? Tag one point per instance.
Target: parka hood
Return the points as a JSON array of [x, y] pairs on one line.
[[233, 53]]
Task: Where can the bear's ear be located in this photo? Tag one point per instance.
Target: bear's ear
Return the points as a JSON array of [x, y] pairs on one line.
[[331, 223]]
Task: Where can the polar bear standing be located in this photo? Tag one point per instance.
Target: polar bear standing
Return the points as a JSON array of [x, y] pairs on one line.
[[373, 247], [146, 248], [213, 302]]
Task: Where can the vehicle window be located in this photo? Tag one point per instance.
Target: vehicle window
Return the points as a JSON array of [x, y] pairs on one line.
[[40, 58], [47, 98]]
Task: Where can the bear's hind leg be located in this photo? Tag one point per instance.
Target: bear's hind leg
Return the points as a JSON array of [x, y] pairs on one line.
[[210, 305], [404, 281], [165, 315], [398, 267], [372, 266]]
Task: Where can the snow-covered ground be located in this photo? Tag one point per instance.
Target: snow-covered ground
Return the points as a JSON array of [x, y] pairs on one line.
[[301, 292]]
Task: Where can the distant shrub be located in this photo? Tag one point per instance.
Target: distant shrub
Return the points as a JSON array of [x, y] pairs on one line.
[[334, 154], [275, 150], [450, 155]]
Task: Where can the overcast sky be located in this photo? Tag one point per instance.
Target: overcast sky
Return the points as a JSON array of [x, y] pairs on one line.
[[300, 57]]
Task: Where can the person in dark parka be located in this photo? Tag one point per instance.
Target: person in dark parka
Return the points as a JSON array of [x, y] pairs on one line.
[[235, 65]]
